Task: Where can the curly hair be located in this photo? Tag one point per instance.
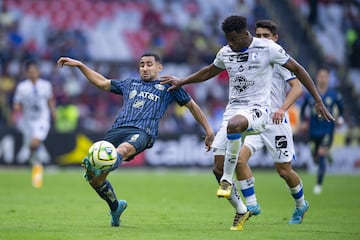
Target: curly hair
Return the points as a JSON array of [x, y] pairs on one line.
[[268, 24], [234, 23]]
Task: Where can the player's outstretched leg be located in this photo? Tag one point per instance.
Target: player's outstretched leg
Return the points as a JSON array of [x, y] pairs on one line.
[[97, 180], [232, 152], [241, 212]]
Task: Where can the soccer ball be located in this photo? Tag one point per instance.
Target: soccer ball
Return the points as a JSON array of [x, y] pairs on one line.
[[102, 155]]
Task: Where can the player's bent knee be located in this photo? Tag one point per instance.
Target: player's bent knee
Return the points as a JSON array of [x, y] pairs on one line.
[[237, 124]]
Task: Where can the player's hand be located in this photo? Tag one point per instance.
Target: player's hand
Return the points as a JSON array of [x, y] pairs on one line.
[[278, 116], [68, 62], [174, 81], [209, 138], [322, 111]]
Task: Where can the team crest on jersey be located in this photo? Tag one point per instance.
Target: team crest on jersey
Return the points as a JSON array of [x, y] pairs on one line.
[[255, 56], [159, 87], [280, 142], [139, 104], [241, 83], [132, 94]]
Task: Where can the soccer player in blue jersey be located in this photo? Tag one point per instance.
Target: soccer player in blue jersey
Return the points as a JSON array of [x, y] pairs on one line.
[[136, 125], [320, 131]]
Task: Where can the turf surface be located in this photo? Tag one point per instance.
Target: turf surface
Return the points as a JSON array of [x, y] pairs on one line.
[[170, 205]]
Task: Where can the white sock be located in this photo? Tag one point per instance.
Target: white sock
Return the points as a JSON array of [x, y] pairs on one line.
[[231, 156], [298, 195], [248, 191], [235, 200]]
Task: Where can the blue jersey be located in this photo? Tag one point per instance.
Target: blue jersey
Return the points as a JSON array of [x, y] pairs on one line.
[[318, 126], [145, 103]]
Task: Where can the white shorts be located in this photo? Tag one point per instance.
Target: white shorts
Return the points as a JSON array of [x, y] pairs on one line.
[[258, 119], [278, 139], [35, 129]]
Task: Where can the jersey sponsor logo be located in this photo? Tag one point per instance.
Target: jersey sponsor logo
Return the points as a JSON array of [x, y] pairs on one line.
[[139, 104], [241, 83], [159, 87], [242, 57], [253, 67], [280, 142], [149, 95], [132, 94]]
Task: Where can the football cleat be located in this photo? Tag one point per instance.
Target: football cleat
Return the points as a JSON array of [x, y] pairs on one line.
[[239, 220], [37, 175], [115, 215], [224, 189], [298, 214], [254, 210]]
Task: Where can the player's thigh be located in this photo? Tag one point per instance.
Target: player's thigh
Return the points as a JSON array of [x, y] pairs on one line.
[[129, 141], [252, 143], [40, 130], [325, 144], [278, 139]]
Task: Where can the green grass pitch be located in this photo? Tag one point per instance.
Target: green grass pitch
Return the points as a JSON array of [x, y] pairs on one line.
[[177, 204]]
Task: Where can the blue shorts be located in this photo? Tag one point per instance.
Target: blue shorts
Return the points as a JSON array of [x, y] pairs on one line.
[[134, 136]]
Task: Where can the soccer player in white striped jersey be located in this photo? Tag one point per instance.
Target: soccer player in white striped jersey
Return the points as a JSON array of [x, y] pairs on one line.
[[278, 138], [249, 62], [34, 99]]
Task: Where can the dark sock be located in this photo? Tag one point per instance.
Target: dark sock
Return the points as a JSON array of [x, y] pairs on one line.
[[218, 178], [322, 169], [107, 193]]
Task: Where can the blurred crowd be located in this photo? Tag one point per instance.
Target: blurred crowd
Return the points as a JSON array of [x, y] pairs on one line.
[[109, 36]]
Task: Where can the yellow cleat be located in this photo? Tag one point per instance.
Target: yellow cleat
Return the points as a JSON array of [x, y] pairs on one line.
[[37, 176], [224, 189], [239, 221]]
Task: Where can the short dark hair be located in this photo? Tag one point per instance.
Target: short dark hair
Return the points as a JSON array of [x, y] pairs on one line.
[[324, 67], [234, 23], [151, 54], [30, 63], [268, 24]]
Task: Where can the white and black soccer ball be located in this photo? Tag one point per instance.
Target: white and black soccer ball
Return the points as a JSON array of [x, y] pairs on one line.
[[102, 155]]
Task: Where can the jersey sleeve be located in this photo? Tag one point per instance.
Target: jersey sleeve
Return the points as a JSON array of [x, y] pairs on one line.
[[181, 96], [218, 61], [118, 86], [286, 74], [277, 54], [18, 94]]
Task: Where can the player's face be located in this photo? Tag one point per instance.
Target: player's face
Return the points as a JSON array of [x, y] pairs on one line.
[[238, 41], [265, 33], [322, 78], [32, 72], [149, 68]]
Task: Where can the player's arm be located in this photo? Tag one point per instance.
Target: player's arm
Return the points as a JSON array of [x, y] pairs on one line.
[[201, 118], [294, 93], [52, 106], [202, 75], [94, 77], [306, 80]]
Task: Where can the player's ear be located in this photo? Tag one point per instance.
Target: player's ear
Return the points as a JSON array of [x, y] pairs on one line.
[[160, 67], [276, 37]]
